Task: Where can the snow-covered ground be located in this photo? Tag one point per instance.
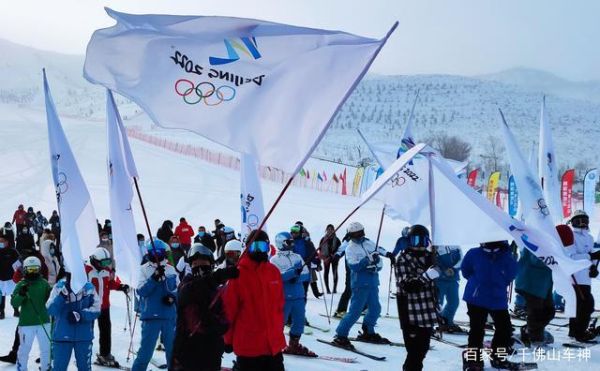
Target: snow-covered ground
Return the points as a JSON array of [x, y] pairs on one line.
[[175, 186]]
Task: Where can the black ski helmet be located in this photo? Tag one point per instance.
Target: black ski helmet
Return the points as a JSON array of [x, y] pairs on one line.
[[258, 246], [199, 251], [418, 236]]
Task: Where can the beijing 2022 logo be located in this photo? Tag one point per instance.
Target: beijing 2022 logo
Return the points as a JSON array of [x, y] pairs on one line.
[[216, 85]]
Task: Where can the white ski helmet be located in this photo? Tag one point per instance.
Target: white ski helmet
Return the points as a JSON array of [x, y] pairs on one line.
[[31, 262], [234, 245], [355, 227], [100, 258], [229, 233]]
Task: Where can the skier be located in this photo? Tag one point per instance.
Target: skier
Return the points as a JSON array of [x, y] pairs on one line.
[[205, 238], [364, 260], [177, 250], [103, 278], [184, 232], [30, 297], [55, 226], [73, 315], [254, 306], [8, 259], [107, 229], [29, 218], [201, 321], [304, 247], [581, 249], [165, 232], [328, 246], [39, 224], [25, 241], [448, 261], [51, 254], [233, 251], [416, 296], [347, 293], [8, 234], [19, 219], [488, 270], [156, 289], [217, 233], [534, 284], [227, 234], [402, 242], [293, 273]]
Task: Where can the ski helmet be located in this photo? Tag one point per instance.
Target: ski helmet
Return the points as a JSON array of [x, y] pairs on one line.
[[284, 241], [405, 231], [100, 259], [157, 251], [495, 245], [580, 219], [259, 248], [234, 245], [199, 251], [355, 230], [229, 233], [418, 236], [32, 267]]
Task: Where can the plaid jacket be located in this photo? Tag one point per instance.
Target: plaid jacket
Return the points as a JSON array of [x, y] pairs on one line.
[[423, 309]]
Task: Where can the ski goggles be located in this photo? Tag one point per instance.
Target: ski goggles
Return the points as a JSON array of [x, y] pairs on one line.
[[296, 229], [104, 262], [32, 269], [259, 246], [419, 241]]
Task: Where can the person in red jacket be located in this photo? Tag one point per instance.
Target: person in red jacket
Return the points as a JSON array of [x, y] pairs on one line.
[[254, 307], [185, 233], [103, 278], [19, 219]]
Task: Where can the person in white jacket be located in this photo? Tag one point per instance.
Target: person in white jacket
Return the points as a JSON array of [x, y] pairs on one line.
[[49, 251], [582, 249]]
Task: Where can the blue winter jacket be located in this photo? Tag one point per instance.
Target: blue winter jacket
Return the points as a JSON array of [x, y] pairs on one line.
[[447, 259], [534, 277], [287, 262], [488, 275], [401, 244], [86, 303], [364, 271], [152, 293]]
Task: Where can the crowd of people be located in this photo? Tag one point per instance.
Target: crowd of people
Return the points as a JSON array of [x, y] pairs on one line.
[[202, 294]]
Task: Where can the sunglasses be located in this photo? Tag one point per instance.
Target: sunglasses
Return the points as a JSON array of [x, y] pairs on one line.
[[259, 246], [32, 269]]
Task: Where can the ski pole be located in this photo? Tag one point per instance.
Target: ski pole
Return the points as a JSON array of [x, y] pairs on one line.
[[324, 298], [130, 350], [387, 312], [37, 314]]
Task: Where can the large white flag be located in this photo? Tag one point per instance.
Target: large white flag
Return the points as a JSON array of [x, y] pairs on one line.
[[79, 232], [538, 216], [252, 208], [257, 87], [589, 192], [548, 168], [121, 171]]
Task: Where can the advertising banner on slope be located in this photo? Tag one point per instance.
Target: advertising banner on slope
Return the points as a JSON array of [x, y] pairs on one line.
[[492, 185], [566, 192], [589, 191], [472, 178]]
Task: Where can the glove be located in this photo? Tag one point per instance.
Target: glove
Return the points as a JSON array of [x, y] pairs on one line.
[[299, 270], [593, 271], [372, 267], [159, 273], [224, 274], [74, 317], [314, 266], [64, 291], [375, 258], [392, 258], [168, 300], [124, 288], [24, 290], [228, 348], [595, 255], [432, 273], [449, 272]]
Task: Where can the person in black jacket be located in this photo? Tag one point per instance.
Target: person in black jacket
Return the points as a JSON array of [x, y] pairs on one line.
[[25, 241], [8, 257], [201, 321], [8, 234], [165, 232], [328, 246], [205, 238]]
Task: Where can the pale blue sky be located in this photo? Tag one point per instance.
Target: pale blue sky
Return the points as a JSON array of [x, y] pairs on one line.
[[466, 37]]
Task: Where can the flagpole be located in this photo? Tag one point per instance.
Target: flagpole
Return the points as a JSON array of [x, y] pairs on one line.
[[137, 189]]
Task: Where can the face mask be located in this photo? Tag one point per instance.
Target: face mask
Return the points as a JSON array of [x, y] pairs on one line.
[[201, 234], [2, 245], [105, 240], [174, 245], [141, 243], [32, 276], [202, 270]]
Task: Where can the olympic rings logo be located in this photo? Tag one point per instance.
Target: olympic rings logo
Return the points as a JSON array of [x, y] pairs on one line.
[[204, 91]]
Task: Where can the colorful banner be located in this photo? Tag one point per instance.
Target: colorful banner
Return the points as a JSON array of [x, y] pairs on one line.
[[343, 178], [589, 191], [357, 181], [493, 185], [472, 178], [513, 197], [566, 192], [499, 198]]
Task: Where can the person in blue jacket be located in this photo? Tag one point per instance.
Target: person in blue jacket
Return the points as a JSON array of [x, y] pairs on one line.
[[293, 273], [534, 283], [73, 315], [489, 271], [363, 258], [304, 247], [402, 242], [156, 289], [448, 260]]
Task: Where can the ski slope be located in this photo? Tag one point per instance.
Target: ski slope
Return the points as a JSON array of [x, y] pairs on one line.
[[175, 186]]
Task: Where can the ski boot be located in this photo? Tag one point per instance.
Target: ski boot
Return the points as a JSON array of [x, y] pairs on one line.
[[11, 357], [107, 361], [343, 342], [2, 316], [374, 337], [471, 364], [294, 347], [339, 314], [586, 337]]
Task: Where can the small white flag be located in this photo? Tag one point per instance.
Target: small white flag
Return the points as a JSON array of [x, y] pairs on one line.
[[252, 208]]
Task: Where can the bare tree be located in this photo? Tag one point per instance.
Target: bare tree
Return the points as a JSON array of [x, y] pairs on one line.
[[450, 147], [492, 160]]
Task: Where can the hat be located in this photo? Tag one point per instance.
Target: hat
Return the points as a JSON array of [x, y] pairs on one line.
[[566, 235]]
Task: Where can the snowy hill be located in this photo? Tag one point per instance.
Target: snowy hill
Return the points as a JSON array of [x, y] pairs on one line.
[[460, 106]]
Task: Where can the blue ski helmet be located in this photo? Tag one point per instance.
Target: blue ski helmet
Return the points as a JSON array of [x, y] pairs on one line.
[[284, 241]]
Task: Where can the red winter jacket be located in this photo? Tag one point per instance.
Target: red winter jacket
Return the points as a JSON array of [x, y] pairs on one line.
[[19, 217], [109, 282], [185, 233], [254, 307]]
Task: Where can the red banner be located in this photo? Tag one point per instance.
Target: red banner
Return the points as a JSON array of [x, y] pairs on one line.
[[566, 192], [498, 199], [343, 178], [472, 178]]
